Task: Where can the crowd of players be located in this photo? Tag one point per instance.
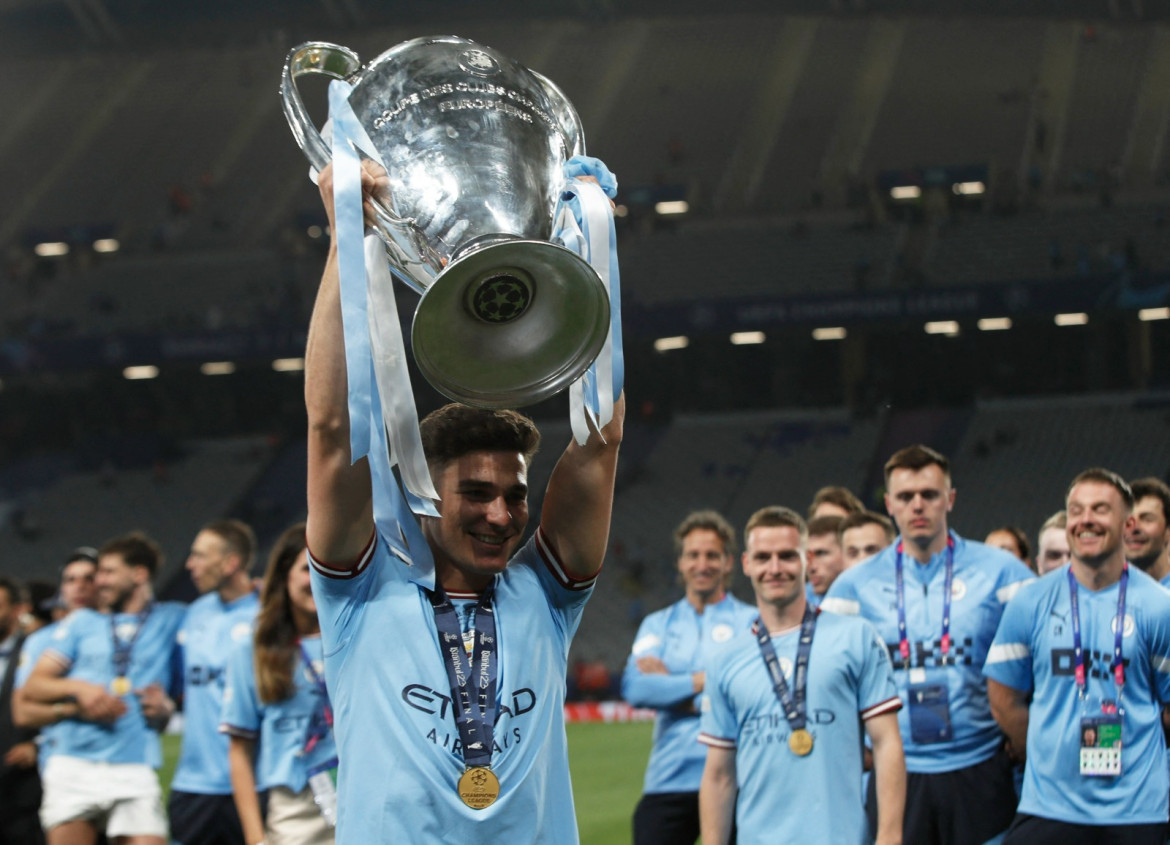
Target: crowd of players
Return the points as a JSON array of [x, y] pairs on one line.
[[93, 674], [1029, 709]]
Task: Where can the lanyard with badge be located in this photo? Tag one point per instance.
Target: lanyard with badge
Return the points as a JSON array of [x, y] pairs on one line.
[[121, 684], [1100, 732], [929, 703], [478, 787], [322, 777], [792, 702]]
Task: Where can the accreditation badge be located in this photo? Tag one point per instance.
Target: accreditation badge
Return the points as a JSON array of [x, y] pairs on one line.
[[120, 686], [1101, 745], [479, 787], [323, 784], [930, 713]]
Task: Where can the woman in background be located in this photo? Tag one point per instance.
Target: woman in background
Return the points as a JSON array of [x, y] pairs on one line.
[[275, 681]]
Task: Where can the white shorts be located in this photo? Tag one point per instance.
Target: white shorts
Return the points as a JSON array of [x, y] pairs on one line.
[[294, 819], [122, 799]]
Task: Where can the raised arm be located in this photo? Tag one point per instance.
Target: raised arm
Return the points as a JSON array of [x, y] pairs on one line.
[[341, 520], [1009, 706], [579, 501]]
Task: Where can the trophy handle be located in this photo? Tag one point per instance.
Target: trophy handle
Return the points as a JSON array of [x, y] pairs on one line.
[[332, 60]]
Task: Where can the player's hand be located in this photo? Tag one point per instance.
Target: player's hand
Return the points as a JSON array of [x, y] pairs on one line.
[[593, 179], [650, 665], [375, 190], [23, 755], [155, 703], [97, 705]]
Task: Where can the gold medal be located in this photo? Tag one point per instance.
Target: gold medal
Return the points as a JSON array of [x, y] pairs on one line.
[[479, 787], [800, 742], [120, 685]]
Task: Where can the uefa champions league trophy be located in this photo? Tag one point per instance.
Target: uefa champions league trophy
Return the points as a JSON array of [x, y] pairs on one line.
[[475, 146]]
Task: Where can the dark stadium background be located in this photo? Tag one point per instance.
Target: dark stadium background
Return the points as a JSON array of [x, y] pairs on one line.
[[786, 127]]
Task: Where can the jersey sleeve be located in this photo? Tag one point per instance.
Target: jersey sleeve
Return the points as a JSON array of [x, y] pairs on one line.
[[1159, 646], [63, 644], [876, 693], [717, 726], [842, 597], [654, 690], [240, 715], [1009, 660], [341, 593], [30, 652], [1012, 577], [566, 595]]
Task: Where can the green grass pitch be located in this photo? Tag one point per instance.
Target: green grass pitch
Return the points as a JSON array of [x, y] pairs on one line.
[[607, 762]]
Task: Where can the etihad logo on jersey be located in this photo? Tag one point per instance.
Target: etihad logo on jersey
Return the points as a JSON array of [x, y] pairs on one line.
[[435, 703], [198, 676], [928, 654], [773, 728]]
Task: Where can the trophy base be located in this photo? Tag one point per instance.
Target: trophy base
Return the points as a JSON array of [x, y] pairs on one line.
[[510, 324]]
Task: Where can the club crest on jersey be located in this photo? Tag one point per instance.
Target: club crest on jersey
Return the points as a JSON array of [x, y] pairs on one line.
[[241, 631], [722, 633], [126, 630], [1128, 630], [958, 589]]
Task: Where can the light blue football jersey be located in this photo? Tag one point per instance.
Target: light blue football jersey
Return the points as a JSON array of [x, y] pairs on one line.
[[1033, 652], [684, 640], [282, 728], [985, 578], [34, 646], [400, 752], [783, 797], [84, 644], [209, 633]]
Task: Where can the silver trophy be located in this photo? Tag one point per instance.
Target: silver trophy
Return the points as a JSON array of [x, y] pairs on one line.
[[474, 144]]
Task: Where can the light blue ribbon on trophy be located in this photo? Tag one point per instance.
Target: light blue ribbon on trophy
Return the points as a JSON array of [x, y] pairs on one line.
[[583, 223], [382, 412]]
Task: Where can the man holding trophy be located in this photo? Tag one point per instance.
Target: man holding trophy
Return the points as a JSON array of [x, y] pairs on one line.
[[446, 642]]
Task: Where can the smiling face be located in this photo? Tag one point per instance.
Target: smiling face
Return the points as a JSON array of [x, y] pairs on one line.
[[1097, 521], [117, 582], [483, 511], [919, 501], [774, 562], [704, 565], [1146, 539]]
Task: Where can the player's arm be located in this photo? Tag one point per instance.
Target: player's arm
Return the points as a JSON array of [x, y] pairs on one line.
[[579, 501], [341, 520], [27, 713], [240, 756], [889, 767], [48, 684], [717, 793], [1009, 706]]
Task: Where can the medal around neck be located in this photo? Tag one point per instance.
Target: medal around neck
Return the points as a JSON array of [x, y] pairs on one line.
[[120, 686], [479, 787], [800, 742]]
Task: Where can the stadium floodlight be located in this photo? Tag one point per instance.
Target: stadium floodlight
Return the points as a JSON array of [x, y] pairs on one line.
[[994, 324], [51, 249], [106, 245], [217, 368], [668, 208], [288, 365], [314, 231], [665, 344], [1149, 314], [950, 328], [830, 333], [746, 338], [968, 189], [905, 192], [620, 211], [1077, 318], [143, 371]]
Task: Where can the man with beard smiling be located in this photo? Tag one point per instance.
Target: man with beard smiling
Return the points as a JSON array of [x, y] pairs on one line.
[[936, 599], [1079, 675], [115, 666], [449, 692], [667, 671], [1147, 541]]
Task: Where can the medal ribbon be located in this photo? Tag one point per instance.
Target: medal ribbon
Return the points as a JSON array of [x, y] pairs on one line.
[[791, 702], [123, 650], [1118, 665], [475, 718], [948, 581], [318, 734]]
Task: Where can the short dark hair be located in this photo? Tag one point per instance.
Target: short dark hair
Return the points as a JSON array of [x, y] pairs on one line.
[[1019, 536], [137, 549], [828, 524], [842, 497], [917, 457], [856, 520], [705, 520], [1154, 488], [42, 599], [238, 536], [1104, 476], [456, 430], [775, 516]]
